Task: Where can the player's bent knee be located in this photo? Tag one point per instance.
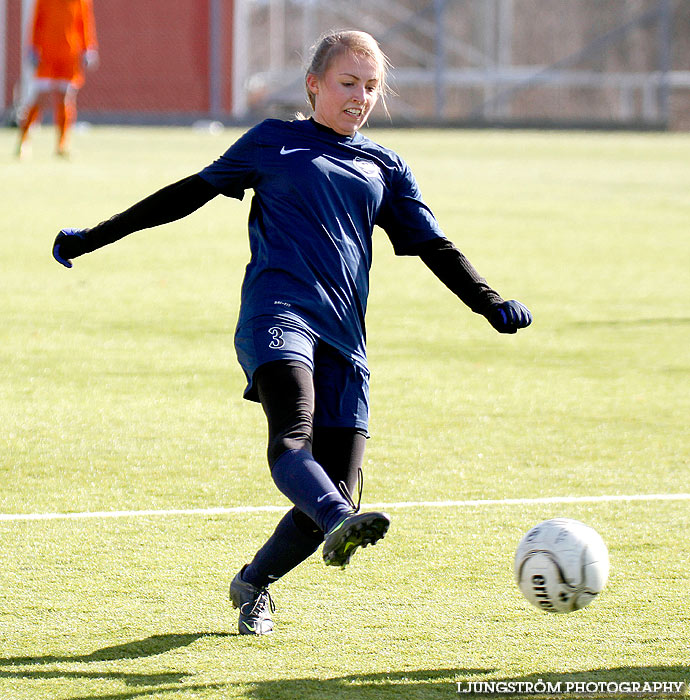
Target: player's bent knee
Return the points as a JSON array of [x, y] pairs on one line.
[[282, 443]]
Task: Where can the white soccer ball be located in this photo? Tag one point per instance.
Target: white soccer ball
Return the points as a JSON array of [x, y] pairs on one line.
[[561, 565]]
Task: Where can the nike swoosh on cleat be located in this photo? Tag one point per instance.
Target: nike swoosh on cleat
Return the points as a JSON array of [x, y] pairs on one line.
[[284, 151], [249, 627]]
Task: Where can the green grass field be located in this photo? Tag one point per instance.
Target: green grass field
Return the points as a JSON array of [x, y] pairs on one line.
[[120, 392]]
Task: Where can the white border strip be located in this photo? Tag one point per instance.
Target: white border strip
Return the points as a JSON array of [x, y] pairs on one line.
[[548, 500]]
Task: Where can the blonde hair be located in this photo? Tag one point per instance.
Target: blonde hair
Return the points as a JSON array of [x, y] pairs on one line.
[[334, 44]]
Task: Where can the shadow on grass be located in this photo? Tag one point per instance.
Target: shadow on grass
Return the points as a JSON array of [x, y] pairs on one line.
[[661, 321], [408, 684], [151, 646], [396, 685], [421, 684], [470, 683]]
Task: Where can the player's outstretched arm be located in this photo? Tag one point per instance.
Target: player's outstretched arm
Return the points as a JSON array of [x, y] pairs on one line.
[[460, 276], [168, 204]]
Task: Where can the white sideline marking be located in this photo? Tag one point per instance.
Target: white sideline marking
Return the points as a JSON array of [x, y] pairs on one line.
[[374, 506]]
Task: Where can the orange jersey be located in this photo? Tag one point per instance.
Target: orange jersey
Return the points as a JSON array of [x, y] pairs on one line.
[[61, 32]]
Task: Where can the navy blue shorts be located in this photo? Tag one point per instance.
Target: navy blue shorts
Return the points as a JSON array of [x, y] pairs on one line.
[[341, 387]]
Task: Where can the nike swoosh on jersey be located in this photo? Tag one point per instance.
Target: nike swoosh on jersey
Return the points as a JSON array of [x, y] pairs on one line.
[[284, 151]]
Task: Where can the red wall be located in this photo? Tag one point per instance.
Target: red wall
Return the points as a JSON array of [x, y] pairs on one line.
[[154, 56], [13, 50]]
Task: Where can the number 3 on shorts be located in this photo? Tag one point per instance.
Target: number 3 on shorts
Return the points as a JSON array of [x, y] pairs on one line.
[[277, 337]]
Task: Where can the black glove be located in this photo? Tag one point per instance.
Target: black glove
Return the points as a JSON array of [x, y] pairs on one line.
[[509, 316], [69, 243]]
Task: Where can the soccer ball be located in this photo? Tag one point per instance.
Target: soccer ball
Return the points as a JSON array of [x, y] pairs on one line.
[[561, 565]]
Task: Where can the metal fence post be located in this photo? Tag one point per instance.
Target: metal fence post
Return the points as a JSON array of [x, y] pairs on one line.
[[439, 60], [215, 31], [240, 59], [3, 54], [664, 59]]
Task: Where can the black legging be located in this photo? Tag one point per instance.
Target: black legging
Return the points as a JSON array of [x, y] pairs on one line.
[[286, 392]]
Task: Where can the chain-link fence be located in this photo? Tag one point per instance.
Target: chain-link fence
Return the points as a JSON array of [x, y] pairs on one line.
[[543, 62]]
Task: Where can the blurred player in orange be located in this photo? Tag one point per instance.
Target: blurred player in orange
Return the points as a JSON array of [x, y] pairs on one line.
[[62, 43]]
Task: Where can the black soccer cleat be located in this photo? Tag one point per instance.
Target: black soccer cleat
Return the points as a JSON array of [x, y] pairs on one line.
[[356, 530], [255, 605]]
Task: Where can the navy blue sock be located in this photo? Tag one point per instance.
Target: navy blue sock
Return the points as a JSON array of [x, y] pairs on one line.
[[287, 547], [302, 479]]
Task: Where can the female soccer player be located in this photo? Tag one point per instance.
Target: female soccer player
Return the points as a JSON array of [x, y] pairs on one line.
[[61, 44], [319, 186]]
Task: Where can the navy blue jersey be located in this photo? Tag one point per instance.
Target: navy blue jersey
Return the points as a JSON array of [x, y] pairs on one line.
[[317, 197]]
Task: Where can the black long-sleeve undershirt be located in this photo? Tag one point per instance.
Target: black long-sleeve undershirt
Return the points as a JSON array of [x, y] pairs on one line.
[[168, 204], [458, 274], [189, 194]]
